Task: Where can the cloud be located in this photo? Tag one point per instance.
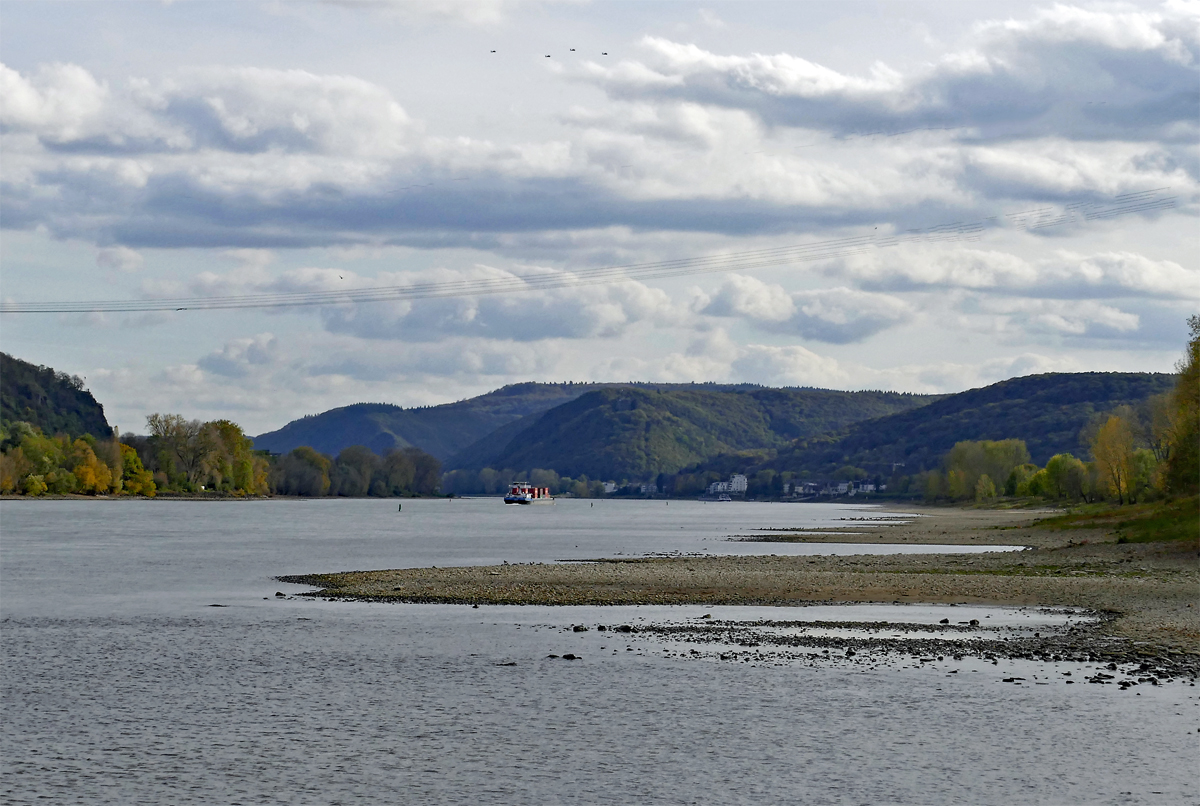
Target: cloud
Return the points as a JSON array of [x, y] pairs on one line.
[[471, 360], [714, 356], [121, 258], [710, 19], [58, 102], [526, 313], [787, 366], [950, 376], [741, 295], [471, 12], [1067, 107], [241, 110], [1063, 273], [240, 357], [1059, 317], [837, 315], [1107, 74]]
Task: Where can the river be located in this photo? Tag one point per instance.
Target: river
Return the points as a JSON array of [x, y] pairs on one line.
[[123, 683]]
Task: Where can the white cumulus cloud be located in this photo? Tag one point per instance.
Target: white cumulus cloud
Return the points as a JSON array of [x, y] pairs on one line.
[[837, 315]]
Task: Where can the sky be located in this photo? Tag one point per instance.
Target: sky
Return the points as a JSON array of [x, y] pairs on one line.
[[912, 196]]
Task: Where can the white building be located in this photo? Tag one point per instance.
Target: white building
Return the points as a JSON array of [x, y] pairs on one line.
[[649, 489], [736, 485], [610, 487]]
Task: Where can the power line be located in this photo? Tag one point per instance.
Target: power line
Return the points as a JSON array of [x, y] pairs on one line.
[[728, 262], [708, 264]]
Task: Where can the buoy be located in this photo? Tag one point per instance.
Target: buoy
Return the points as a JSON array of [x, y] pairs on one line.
[[401, 509]]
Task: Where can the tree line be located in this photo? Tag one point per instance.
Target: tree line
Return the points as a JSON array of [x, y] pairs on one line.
[[356, 471], [181, 456], [490, 481], [1137, 454], [32, 463]]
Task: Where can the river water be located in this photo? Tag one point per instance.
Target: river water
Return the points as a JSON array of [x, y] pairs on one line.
[[122, 684]]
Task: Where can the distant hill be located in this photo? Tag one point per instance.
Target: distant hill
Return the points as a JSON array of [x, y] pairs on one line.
[[55, 402], [636, 431], [442, 431], [632, 432], [1047, 411]]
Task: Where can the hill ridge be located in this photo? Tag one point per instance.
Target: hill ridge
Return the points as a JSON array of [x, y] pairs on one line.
[[54, 401]]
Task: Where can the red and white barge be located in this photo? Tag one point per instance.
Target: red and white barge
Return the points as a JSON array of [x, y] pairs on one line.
[[522, 492]]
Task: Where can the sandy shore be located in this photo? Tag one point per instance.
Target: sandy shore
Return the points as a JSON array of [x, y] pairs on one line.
[[1153, 589]]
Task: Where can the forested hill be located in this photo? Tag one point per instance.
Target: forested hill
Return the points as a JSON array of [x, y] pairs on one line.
[[1047, 411], [633, 432], [53, 401], [441, 431]]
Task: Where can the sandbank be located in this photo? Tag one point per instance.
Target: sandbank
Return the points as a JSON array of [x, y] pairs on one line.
[[1151, 590]]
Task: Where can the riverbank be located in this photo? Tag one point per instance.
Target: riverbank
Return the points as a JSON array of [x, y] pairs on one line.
[[1150, 589]]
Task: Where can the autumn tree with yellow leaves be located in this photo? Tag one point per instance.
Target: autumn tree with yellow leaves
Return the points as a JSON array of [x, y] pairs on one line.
[[1113, 450]]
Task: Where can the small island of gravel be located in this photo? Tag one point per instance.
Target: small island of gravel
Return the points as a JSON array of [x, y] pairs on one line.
[[1147, 590]]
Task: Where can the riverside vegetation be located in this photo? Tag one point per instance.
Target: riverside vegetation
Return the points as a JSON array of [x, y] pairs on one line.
[[215, 458], [55, 440]]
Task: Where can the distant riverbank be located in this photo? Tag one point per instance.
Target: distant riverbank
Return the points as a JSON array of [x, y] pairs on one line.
[[218, 496], [1150, 588]]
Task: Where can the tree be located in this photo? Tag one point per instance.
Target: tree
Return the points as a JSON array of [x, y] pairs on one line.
[[985, 488], [427, 472], [1037, 484], [1142, 467], [92, 476], [540, 477], [398, 471], [136, 479], [34, 485], [959, 484], [491, 481], [353, 470], [967, 461], [233, 465], [301, 472], [934, 486], [1182, 476], [1017, 482], [191, 444], [1113, 449], [1065, 476], [1161, 437]]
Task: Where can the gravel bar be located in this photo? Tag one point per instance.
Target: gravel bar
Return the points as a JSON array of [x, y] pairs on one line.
[[1149, 590]]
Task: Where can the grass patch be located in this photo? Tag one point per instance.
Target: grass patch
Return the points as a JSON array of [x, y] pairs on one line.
[[1061, 571], [1157, 521]]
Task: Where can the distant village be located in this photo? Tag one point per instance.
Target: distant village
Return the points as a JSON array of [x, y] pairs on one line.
[[738, 484]]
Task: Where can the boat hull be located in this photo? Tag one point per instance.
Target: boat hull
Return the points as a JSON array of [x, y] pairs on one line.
[[522, 492]]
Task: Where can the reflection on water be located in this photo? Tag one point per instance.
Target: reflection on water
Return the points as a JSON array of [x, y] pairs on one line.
[[122, 685]]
